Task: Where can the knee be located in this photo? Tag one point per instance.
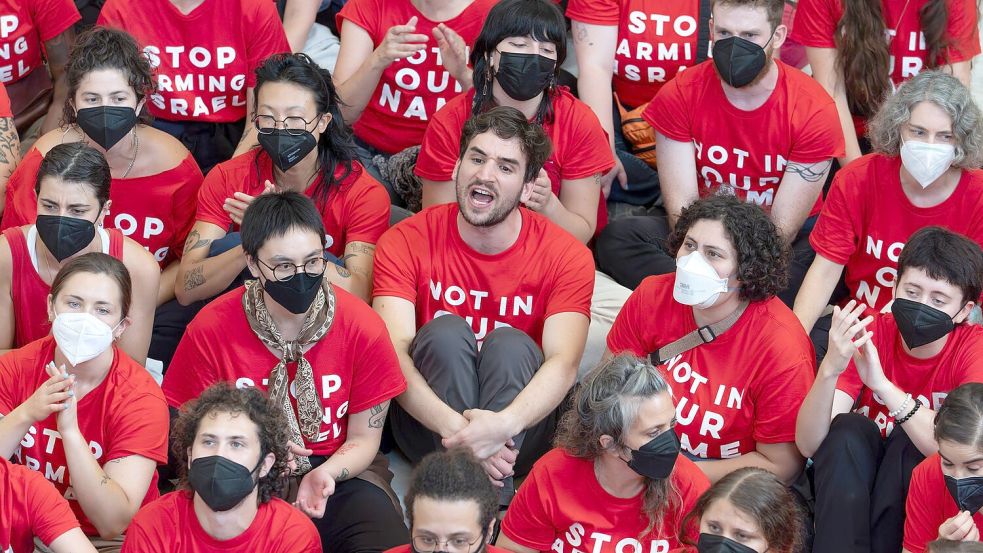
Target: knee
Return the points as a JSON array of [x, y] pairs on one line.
[[443, 339], [849, 433], [512, 343], [617, 233]]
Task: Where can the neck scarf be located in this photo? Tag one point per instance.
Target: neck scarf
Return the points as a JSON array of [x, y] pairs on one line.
[[306, 424]]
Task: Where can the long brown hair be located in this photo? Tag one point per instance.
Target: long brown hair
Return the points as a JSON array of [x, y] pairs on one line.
[[863, 56]]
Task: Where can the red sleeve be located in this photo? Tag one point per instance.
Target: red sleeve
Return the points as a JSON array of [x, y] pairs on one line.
[[141, 536], [441, 144], [815, 22], [923, 507], [10, 379], [626, 332], [298, 535], [595, 12], [53, 17], [377, 376], [395, 268], [586, 150], [190, 371], [5, 110], [573, 286], [185, 202], [691, 483], [836, 235], [818, 136], [669, 112], [265, 36], [51, 516], [368, 211], [214, 190], [109, 15], [141, 428], [963, 31], [364, 13], [781, 391], [20, 192], [528, 521]]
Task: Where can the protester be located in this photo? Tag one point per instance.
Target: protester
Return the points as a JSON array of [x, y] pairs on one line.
[[9, 143]]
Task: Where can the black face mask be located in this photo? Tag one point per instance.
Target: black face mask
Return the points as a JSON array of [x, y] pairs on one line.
[[920, 324], [64, 236], [296, 294], [656, 459], [738, 60], [221, 483], [523, 76], [106, 125], [712, 543], [286, 150], [967, 492]]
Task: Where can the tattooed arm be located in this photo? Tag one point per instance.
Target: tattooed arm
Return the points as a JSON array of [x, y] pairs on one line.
[[9, 155], [356, 274], [797, 193], [353, 457], [56, 51], [199, 276]]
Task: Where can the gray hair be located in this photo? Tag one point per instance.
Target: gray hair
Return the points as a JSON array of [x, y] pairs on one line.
[[951, 96]]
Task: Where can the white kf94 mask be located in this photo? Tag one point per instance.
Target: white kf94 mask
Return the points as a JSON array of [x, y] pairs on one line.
[[81, 336], [926, 162]]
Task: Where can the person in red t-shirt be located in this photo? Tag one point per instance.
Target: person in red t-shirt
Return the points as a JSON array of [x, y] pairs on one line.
[[451, 506], [866, 423], [35, 39], [204, 53], [72, 190], [958, 514], [325, 358], [487, 304], [615, 479], [859, 55], [747, 511], [9, 143], [30, 506], [230, 446], [742, 124], [306, 148], [77, 409], [737, 391], [928, 144], [400, 61], [566, 190]]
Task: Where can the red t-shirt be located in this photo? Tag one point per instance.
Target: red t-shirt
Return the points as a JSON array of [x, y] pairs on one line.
[[407, 548], [929, 504], [412, 89], [928, 380], [868, 218], [550, 514], [30, 506], [25, 25], [5, 110], [744, 387], [580, 145], [356, 211], [424, 260], [170, 525], [156, 211], [125, 415], [29, 293], [746, 152], [204, 60], [355, 366], [656, 40]]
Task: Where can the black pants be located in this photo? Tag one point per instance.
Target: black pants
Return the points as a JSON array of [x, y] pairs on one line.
[[170, 321], [446, 354], [632, 248], [861, 484], [209, 143], [360, 518]]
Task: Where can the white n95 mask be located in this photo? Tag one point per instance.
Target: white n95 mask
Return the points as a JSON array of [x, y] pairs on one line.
[[926, 162], [697, 282], [81, 336]]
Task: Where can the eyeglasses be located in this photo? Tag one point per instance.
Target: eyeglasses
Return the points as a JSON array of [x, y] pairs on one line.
[[294, 125], [285, 271], [429, 544]]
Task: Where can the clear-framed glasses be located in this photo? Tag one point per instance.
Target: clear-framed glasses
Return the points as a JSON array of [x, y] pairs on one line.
[[284, 271], [294, 125], [456, 544]]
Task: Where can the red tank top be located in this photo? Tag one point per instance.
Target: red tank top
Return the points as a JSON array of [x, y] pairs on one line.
[[29, 293]]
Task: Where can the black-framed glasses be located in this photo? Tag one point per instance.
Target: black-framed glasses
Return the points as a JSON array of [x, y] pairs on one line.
[[285, 271], [458, 544], [294, 125]]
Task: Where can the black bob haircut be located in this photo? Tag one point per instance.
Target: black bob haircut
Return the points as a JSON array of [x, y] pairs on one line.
[[945, 255], [272, 215]]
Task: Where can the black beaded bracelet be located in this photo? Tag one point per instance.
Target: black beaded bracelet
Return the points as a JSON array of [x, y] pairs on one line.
[[904, 419]]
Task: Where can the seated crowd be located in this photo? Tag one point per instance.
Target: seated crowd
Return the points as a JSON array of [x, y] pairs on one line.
[[674, 293]]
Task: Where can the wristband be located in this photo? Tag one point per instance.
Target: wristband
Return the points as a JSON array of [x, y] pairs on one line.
[[901, 409], [910, 414]]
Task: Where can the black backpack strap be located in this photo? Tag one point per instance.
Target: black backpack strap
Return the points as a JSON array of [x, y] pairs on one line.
[[703, 32]]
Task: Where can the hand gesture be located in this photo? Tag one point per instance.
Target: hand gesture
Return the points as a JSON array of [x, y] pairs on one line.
[[453, 51], [616, 172], [542, 193], [400, 41], [868, 364], [52, 396], [847, 333], [501, 465], [960, 528], [67, 418], [237, 204], [315, 489], [484, 435]]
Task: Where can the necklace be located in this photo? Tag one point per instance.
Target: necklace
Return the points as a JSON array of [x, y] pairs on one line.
[[136, 152]]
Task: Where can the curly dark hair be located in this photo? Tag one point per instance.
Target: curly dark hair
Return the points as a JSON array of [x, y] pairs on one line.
[[508, 123], [762, 255], [226, 398], [105, 48], [453, 475]]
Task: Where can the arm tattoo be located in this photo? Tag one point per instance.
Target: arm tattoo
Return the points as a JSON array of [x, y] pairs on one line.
[[581, 34], [813, 172], [597, 181], [367, 249], [345, 448], [195, 241], [343, 476], [105, 480], [194, 278], [342, 270], [377, 416], [9, 146]]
